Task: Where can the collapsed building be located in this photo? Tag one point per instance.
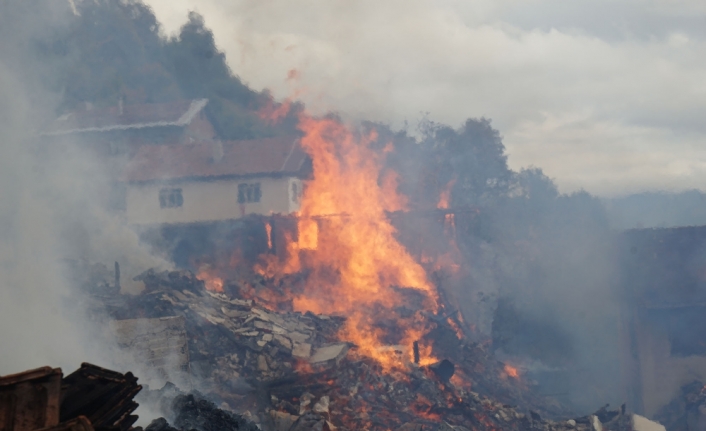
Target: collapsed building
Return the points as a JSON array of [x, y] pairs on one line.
[[287, 370]]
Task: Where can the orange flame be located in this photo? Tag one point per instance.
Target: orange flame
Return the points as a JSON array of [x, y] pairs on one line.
[[457, 329], [271, 267], [268, 229], [212, 282], [358, 267], [445, 197], [273, 113], [512, 371]]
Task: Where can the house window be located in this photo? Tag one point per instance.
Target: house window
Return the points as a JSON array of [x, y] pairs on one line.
[[248, 193], [170, 198]]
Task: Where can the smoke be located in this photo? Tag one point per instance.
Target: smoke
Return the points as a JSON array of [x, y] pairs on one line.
[[657, 209], [50, 207], [541, 265], [540, 269], [565, 82]]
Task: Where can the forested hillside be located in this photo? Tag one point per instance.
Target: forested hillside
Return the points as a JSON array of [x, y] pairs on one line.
[[112, 50]]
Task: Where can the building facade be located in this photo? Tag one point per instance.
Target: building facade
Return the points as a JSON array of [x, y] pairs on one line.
[[214, 181]]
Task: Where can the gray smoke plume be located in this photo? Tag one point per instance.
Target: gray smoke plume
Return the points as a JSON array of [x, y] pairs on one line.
[[49, 207]]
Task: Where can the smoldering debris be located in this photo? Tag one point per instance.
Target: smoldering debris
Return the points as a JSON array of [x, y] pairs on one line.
[[193, 412], [289, 371]]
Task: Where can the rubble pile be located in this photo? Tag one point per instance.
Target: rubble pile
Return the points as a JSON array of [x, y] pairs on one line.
[[288, 371], [92, 398], [687, 411], [193, 412], [229, 337]]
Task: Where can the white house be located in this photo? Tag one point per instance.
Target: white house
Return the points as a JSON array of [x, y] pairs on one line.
[[214, 181]]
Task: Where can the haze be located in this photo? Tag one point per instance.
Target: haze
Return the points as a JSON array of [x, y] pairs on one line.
[[602, 95]]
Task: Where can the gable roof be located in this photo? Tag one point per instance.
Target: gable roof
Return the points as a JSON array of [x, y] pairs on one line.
[[179, 114], [209, 160]]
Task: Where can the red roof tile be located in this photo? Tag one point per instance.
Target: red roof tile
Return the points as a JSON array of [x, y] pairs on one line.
[[178, 113], [272, 156]]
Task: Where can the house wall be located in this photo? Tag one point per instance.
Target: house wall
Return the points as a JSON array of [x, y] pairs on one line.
[[662, 375], [206, 201]]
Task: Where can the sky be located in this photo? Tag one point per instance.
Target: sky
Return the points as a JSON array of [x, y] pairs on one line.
[[608, 96]]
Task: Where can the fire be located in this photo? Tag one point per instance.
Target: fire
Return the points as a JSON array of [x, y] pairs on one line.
[[358, 268], [212, 282], [457, 329], [273, 113], [445, 196], [512, 371], [268, 229], [270, 265]]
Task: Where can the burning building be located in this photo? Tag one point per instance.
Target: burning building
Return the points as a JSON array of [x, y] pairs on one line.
[[214, 181]]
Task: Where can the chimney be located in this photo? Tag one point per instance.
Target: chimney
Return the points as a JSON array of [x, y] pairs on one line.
[[217, 151]]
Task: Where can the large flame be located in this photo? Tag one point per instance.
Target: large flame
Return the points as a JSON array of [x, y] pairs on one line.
[[358, 268]]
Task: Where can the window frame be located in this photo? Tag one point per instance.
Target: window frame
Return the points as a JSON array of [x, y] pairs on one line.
[[249, 193]]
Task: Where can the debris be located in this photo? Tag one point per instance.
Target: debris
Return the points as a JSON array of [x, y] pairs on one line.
[[302, 350], [262, 363], [30, 400], [444, 369], [322, 405], [288, 371], [103, 396], [281, 421], [687, 411], [90, 398], [333, 353], [159, 343], [641, 423], [193, 412], [81, 423]]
